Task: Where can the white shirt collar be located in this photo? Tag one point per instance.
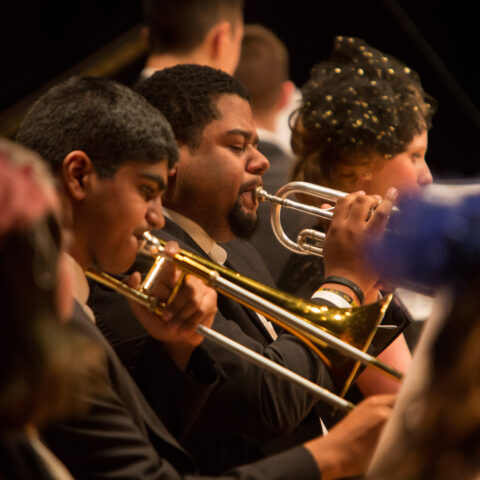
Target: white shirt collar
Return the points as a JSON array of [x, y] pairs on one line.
[[204, 240], [147, 72], [210, 247]]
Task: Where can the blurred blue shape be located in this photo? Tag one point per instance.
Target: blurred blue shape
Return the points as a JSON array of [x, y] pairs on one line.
[[428, 245]]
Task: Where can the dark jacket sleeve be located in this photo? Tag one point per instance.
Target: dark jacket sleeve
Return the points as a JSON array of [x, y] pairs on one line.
[[107, 443], [143, 356], [265, 406], [119, 437]]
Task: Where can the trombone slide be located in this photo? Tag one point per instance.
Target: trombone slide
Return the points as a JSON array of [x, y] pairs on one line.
[[259, 360], [308, 321]]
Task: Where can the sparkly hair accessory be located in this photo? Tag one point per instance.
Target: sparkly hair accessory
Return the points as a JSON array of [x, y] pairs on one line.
[[430, 244], [362, 100]]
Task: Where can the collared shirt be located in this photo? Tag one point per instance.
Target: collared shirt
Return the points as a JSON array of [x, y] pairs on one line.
[[204, 240], [211, 248]]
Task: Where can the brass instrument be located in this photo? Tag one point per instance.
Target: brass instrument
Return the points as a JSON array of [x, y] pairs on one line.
[[343, 334], [309, 241]]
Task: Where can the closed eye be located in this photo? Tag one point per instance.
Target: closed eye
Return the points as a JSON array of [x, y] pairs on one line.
[[148, 192], [238, 148]]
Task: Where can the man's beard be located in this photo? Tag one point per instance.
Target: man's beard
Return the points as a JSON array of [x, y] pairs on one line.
[[242, 224]]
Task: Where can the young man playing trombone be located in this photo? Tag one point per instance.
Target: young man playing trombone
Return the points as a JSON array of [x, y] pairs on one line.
[[210, 199], [110, 151]]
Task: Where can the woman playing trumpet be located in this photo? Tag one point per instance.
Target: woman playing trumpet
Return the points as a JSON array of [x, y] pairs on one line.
[[362, 126]]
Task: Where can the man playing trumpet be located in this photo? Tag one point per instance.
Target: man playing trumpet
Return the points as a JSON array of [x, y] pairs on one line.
[[210, 199]]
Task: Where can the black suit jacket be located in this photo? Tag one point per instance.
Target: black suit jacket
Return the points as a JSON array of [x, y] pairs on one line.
[[122, 438], [249, 407]]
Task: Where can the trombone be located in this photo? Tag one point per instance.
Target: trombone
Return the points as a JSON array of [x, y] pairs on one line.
[[353, 329], [309, 241]]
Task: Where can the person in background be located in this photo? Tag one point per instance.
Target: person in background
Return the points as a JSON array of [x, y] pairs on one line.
[[434, 432], [363, 125], [206, 32], [264, 70]]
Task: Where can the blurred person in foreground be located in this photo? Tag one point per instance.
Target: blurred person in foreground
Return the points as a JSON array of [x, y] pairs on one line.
[[46, 366], [434, 432]]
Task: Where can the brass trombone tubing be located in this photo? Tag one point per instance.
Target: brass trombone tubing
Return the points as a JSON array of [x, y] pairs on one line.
[[316, 390], [212, 274]]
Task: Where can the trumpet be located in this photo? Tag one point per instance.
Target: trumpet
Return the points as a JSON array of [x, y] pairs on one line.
[[339, 336], [309, 241]]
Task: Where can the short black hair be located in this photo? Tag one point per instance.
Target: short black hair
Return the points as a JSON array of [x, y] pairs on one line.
[[108, 121], [178, 26], [187, 95]]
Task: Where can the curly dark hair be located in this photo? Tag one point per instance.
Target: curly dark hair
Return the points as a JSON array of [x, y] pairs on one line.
[[108, 121], [359, 102], [187, 95]]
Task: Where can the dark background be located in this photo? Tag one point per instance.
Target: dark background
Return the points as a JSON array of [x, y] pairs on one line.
[[40, 40]]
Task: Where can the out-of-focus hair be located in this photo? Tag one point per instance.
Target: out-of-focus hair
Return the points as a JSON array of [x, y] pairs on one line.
[[178, 26], [263, 66], [438, 245], [46, 367]]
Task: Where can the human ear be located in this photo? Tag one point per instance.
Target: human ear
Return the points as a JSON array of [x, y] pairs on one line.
[[77, 170], [218, 39], [288, 88]]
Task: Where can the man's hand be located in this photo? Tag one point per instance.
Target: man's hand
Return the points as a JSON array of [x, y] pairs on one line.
[[193, 304], [358, 218], [348, 448]]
